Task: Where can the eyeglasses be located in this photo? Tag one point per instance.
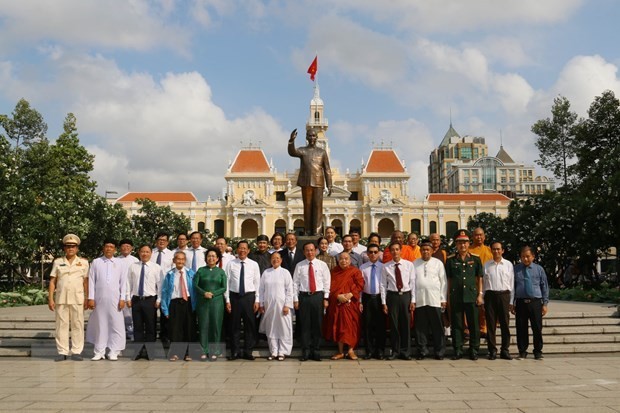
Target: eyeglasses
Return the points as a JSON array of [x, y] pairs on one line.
[[372, 252]]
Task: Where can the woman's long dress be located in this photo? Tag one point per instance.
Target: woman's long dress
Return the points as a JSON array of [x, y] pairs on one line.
[[276, 291], [210, 312]]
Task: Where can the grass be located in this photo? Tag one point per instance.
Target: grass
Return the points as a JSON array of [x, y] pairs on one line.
[[603, 294]]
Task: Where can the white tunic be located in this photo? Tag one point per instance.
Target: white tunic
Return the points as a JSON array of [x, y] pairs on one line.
[[106, 285], [276, 291], [431, 285]]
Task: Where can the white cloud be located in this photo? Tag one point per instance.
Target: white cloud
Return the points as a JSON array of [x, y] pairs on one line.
[[134, 25]]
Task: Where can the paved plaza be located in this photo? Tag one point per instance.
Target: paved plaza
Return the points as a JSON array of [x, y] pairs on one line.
[[558, 383]]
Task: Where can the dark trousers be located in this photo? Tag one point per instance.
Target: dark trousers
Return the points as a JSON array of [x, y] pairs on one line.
[[496, 307], [400, 322], [374, 324], [182, 323], [428, 320], [529, 310], [164, 336], [470, 310], [144, 315], [242, 308], [311, 321]]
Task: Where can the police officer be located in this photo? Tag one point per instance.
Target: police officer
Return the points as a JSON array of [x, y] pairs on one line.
[[67, 292], [464, 272]]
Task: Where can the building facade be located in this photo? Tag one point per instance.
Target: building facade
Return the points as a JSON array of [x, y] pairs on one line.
[[260, 200], [462, 165]]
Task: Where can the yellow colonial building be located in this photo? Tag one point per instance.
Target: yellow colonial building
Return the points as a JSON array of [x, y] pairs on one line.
[[260, 200]]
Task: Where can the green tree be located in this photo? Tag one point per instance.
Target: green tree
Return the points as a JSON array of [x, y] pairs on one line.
[[598, 170], [152, 219], [556, 139], [25, 126]]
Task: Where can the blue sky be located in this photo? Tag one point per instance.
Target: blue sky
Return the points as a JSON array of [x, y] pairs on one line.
[[165, 92]]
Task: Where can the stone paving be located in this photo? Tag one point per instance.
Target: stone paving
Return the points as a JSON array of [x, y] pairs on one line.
[[562, 384]]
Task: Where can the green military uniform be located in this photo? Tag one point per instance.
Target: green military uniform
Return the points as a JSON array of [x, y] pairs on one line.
[[463, 276]]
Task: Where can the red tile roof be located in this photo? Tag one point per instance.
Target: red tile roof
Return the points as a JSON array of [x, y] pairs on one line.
[[384, 161], [250, 160], [467, 197], [159, 196]]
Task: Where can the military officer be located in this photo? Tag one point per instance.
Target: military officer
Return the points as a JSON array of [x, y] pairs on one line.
[[464, 272], [67, 292]]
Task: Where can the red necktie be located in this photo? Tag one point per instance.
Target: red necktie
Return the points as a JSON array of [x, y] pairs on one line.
[[182, 286], [311, 280], [399, 277], [220, 264]]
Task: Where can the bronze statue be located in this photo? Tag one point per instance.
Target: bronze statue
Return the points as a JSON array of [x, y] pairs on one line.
[[314, 175]]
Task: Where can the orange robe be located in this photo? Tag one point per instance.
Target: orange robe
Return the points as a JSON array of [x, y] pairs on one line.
[[342, 321], [406, 253], [484, 253]]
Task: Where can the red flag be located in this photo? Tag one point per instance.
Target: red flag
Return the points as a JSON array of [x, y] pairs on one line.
[[313, 68]]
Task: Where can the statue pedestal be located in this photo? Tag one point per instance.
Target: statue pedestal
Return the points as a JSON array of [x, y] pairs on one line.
[[303, 239]]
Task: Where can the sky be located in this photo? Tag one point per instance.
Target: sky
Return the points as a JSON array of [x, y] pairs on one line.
[[166, 92]]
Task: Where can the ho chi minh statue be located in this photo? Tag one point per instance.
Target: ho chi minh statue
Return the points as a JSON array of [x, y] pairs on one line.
[[314, 175]]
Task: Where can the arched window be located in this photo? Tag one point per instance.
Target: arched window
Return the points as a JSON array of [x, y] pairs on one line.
[[298, 227], [218, 227], [385, 228], [355, 224], [317, 116], [249, 229], [451, 228], [433, 226], [201, 226], [416, 226], [279, 226], [337, 224]]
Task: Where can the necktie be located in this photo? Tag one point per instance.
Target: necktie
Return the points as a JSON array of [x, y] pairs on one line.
[[311, 280], [399, 277], [242, 280], [220, 263], [291, 255], [373, 279], [182, 284], [529, 290], [194, 260], [141, 286], [159, 258]]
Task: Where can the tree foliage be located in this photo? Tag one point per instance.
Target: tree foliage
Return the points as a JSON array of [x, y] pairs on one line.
[[556, 139], [153, 219]]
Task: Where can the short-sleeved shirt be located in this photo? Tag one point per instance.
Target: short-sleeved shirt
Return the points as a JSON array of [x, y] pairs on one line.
[[70, 280]]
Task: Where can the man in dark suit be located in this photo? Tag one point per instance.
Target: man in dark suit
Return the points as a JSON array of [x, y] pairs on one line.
[[291, 255], [314, 175]]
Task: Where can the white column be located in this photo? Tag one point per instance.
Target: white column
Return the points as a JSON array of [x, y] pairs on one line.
[[235, 224], [400, 221], [263, 224], [440, 224], [345, 225], [425, 225]]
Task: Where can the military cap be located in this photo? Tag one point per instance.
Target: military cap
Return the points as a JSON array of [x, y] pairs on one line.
[[461, 235], [71, 239]]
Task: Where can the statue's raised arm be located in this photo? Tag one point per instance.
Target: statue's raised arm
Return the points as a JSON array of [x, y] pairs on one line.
[[314, 175]]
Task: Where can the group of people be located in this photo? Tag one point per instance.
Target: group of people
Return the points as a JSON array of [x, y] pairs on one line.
[[339, 292]]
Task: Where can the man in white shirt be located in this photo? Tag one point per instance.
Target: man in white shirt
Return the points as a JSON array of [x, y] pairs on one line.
[[195, 255], [222, 245], [143, 279], [334, 248], [357, 247], [126, 259], [498, 287], [162, 256], [431, 289], [311, 283], [398, 299], [372, 312], [243, 296], [182, 241]]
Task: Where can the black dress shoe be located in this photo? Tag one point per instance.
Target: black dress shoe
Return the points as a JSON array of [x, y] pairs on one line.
[[77, 357], [420, 357], [367, 356], [505, 356], [248, 356], [316, 357], [404, 357], [538, 356], [390, 357], [473, 356], [233, 357], [60, 357], [523, 354], [438, 357], [457, 356], [303, 358], [378, 356], [492, 355]]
